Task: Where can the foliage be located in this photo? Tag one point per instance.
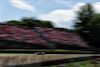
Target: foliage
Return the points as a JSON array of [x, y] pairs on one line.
[[83, 16], [94, 28], [89, 25], [30, 22]]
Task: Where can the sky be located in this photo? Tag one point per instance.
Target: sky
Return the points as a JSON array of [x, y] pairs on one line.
[[60, 12]]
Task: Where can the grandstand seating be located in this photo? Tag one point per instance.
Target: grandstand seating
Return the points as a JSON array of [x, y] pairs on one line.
[[63, 37], [30, 36], [20, 34]]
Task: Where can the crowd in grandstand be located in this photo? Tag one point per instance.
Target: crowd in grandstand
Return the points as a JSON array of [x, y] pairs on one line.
[[62, 37], [20, 34], [30, 36]]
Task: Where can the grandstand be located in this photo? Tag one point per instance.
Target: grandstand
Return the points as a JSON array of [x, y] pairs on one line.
[[38, 37]]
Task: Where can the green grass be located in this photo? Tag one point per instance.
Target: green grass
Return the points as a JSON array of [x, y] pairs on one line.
[[57, 50], [82, 63], [42, 50]]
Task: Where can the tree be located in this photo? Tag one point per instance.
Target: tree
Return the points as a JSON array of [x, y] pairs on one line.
[[94, 28], [15, 23], [83, 17], [30, 22], [35, 22], [46, 24]]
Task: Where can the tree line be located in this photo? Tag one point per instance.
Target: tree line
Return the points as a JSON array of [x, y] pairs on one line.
[[30, 22]]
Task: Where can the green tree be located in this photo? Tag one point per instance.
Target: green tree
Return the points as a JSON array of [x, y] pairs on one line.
[[35, 22], [94, 28], [15, 23], [30, 22], [84, 15]]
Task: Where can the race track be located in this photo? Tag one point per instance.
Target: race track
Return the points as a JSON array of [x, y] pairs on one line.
[[6, 60]]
